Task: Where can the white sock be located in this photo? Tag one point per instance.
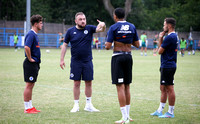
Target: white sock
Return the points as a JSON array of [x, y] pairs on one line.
[[171, 109], [127, 110], [161, 107], [30, 104], [124, 112], [88, 100], [76, 102], [26, 105]]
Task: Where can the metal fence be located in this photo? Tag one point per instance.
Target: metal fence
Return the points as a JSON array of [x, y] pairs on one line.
[[52, 40]]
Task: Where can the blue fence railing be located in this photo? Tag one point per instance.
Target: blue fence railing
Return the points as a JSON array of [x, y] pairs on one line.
[[52, 40]]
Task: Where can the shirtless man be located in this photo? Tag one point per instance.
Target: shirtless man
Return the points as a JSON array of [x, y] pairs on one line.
[[124, 35]]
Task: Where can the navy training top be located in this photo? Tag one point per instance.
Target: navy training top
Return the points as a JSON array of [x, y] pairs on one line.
[[80, 40], [31, 40], [169, 56], [122, 31]]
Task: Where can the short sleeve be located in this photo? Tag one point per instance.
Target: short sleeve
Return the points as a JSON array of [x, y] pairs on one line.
[[93, 28], [67, 37], [110, 35], [135, 37], [29, 40], [166, 42]]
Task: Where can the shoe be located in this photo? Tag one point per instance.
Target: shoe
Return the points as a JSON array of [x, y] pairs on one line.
[[167, 115], [90, 108], [122, 121], [30, 111], [130, 119], [156, 113], [75, 108], [34, 109]]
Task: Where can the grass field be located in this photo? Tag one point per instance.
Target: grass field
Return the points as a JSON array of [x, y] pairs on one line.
[[53, 91]]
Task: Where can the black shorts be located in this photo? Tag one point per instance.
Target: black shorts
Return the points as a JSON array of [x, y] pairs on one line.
[[167, 76], [81, 70], [31, 70], [121, 69]]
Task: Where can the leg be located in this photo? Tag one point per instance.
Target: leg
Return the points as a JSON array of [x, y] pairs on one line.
[[163, 90], [121, 94], [28, 91], [122, 100], [127, 94], [171, 94], [76, 89], [76, 92], [88, 88], [88, 92], [145, 49]]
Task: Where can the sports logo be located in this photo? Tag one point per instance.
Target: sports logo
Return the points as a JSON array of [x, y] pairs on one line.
[[71, 75], [74, 32], [163, 81], [86, 32], [120, 80], [124, 27], [31, 78]]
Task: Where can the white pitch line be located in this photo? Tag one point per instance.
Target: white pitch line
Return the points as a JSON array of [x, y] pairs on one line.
[[109, 94]]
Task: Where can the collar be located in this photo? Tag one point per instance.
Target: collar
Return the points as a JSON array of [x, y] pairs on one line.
[[33, 31], [171, 32], [121, 21]]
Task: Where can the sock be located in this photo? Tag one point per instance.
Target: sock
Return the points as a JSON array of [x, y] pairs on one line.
[[30, 104], [161, 107], [26, 105], [88, 100], [76, 102], [141, 53], [124, 112], [171, 109], [127, 110]]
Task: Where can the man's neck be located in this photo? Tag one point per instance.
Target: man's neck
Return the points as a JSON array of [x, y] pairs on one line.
[[170, 31], [79, 27], [35, 29]]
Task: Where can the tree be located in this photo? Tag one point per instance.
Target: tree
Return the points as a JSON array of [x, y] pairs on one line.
[[109, 7]]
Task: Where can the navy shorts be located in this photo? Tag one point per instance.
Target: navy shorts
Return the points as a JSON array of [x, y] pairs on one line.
[[31, 70], [121, 69], [167, 76], [81, 70]]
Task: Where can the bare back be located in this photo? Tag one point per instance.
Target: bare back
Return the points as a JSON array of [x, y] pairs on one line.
[[119, 46]]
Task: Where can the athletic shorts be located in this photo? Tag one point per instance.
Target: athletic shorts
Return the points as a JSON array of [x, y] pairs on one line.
[[155, 46], [167, 76], [143, 44], [31, 70], [81, 70], [121, 69]]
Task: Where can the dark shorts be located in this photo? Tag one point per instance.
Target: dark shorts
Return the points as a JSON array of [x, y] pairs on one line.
[[121, 69], [31, 70], [167, 76], [81, 70], [143, 44]]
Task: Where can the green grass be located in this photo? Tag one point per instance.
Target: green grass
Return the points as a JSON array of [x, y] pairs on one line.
[[53, 93]]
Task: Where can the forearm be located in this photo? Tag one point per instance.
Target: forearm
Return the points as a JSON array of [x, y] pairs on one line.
[[63, 51], [160, 41], [136, 44]]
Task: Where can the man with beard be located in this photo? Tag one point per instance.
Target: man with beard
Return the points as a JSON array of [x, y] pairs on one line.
[[80, 38], [168, 50]]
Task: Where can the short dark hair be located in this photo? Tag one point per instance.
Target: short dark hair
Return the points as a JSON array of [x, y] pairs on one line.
[[120, 13], [35, 19], [171, 21], [79, 13]]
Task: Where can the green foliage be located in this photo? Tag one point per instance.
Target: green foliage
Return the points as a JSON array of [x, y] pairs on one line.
[[145, 14]]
